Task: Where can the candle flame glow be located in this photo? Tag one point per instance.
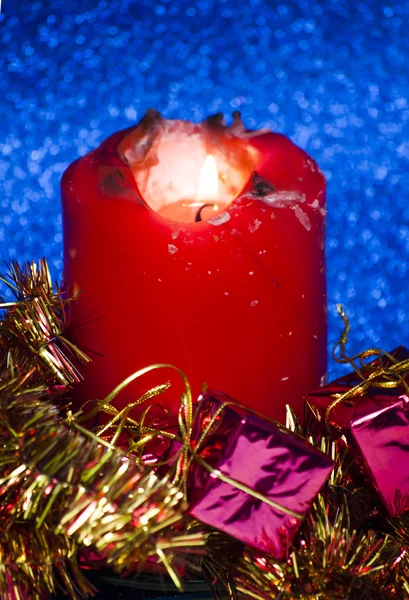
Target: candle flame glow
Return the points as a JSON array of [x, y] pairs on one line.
[[208, 190]]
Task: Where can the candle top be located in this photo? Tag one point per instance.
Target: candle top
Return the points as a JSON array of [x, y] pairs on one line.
[[188, 171]]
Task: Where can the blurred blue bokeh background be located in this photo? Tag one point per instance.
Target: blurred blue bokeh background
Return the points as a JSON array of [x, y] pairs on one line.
[[332, 75]]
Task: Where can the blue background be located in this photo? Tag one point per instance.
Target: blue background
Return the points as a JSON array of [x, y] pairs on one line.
[[331, 75]]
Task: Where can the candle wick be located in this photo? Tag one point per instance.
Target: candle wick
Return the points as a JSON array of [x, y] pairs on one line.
[[198, 217]]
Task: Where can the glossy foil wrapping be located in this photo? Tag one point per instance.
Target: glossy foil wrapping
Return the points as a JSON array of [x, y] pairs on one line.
[[265, 457], [377, 424]]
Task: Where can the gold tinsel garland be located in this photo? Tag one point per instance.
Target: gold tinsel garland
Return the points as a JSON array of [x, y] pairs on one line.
[[65, 490]]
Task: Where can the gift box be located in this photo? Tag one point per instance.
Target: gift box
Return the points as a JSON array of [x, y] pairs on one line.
[[250, 477], [376, 424]]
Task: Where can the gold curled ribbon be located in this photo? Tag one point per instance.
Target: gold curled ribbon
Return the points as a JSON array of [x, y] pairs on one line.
[[188, 452], [380, 376]]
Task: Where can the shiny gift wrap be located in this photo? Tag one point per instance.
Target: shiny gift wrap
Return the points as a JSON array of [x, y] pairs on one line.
[[251, 478], [376, 423]]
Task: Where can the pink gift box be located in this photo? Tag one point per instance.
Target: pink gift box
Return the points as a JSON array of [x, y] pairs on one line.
[[266, 477], [377, 425]]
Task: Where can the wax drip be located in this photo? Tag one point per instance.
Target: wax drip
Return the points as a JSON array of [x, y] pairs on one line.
[[138, 146], [216, 121], [237, 128]]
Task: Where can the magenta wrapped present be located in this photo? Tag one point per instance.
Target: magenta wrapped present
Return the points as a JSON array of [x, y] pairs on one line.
[[252, 478], [376, 423]]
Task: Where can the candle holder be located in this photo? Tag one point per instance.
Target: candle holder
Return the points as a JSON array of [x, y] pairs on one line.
[[144, 587]]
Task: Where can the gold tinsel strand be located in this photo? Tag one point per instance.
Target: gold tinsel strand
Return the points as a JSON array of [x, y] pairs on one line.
[[32, 343], [34, 559], [88, 490], [64, 488], [57, 478]]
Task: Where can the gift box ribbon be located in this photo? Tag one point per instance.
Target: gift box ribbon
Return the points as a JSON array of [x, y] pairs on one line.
[[379, 375], [189, 451]]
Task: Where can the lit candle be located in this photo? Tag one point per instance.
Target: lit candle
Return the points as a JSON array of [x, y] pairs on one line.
[[207, 198], [202, 246]]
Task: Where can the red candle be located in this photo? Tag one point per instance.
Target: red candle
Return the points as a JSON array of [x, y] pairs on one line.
[[202, 246]]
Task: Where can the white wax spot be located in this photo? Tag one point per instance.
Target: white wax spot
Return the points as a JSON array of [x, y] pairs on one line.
[[254, 226], [172, 249], [302, 217], [220, 219], [282, 198]]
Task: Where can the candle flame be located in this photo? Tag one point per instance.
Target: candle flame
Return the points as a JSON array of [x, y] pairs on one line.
[[208, 190]]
